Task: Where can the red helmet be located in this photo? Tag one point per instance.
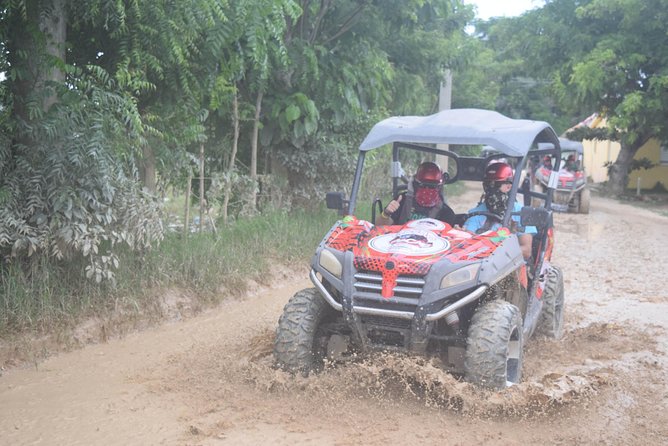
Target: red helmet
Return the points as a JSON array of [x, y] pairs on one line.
[[499, 172], [429, 173]]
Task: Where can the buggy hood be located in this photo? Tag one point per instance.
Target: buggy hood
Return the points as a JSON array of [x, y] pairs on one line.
[[413, 248]]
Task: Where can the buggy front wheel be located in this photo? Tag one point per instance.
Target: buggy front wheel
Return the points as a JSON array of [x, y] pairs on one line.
[[494, 346], [585, 197], [301, 343]]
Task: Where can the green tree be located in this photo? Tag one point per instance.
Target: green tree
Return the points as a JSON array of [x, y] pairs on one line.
[[155, 51], [255, 49], [101, 93], [352, 62], [609, 56], [75, 121], [513, 68], [477, 84]]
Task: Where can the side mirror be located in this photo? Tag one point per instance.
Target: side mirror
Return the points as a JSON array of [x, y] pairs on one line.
[[336, 201], [538, 217]]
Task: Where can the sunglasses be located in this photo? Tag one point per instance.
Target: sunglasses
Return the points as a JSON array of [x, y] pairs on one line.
[[498, 184], [421, 185]]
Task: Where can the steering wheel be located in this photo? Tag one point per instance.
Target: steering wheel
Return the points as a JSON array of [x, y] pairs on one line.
[[488, 214]]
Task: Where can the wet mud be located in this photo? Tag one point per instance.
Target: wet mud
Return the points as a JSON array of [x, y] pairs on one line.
[[209, 379]]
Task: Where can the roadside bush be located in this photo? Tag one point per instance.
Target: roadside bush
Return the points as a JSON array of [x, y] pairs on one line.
[[55, 295], [67, 191]]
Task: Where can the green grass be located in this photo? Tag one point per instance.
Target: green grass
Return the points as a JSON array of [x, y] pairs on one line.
[[53, 295]]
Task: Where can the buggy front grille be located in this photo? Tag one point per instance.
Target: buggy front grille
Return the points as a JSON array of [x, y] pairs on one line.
[[371, 282], [386, 322]]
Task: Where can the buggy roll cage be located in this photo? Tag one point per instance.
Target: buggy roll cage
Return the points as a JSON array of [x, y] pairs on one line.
[[513, 138]]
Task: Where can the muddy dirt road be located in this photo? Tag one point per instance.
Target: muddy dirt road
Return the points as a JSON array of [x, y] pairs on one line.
[[208, 381]]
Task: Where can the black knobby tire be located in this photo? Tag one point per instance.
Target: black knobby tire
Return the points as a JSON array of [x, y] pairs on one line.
[[494, 348], [574, 204], [299, 345], [585, 197], [551, 323]]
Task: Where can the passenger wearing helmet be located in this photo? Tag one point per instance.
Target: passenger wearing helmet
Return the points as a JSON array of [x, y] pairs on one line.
[[424, 199], [571, 163], [497, 183]]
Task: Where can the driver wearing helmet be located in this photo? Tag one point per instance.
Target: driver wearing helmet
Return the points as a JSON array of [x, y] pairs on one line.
[[496, 184], [424, 199]]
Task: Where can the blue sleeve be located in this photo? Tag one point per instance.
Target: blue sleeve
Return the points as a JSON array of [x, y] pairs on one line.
[[516, 219], [474, 223], [530, 230]]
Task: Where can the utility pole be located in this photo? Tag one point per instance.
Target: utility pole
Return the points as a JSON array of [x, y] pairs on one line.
[[445, 93], [444, 103]]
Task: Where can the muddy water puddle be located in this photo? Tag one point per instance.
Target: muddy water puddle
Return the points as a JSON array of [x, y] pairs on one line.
[[559, 375]]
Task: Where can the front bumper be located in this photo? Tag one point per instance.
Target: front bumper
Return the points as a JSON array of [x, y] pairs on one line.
[[400, 327]]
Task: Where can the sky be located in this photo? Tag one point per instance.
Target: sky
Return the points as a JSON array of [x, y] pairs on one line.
[[505, 8]]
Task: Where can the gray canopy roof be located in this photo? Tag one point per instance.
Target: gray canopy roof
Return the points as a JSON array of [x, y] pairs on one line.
[[568, 144], [565, 144], [469, 126]]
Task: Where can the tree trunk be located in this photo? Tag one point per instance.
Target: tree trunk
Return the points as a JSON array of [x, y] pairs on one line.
[[254, 137], [202, 201], [148, 173], [32, 56], [233, 156], [619, 171], [186, 219], [252, 198], [54, 27]]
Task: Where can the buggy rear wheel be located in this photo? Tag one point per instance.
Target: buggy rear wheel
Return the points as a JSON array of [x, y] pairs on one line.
[[301, 344], [551, 321], [494, 348]]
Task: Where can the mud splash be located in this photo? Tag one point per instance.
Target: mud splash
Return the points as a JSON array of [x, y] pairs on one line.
[[391, 380]]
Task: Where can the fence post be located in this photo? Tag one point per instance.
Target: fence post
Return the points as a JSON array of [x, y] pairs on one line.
[[186, 223], [201, 186]]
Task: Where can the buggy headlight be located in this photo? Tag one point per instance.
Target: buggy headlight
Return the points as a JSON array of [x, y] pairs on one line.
[[465, 274], [329, 262]]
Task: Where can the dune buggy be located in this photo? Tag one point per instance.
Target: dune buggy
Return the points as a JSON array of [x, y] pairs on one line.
[[426, 287], [571, 190]]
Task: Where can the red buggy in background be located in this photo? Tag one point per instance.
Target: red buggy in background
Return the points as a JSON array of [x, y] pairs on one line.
[[571, 190]]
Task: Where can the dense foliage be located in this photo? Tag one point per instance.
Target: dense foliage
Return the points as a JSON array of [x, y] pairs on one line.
[[572, 58], [105, 104]]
